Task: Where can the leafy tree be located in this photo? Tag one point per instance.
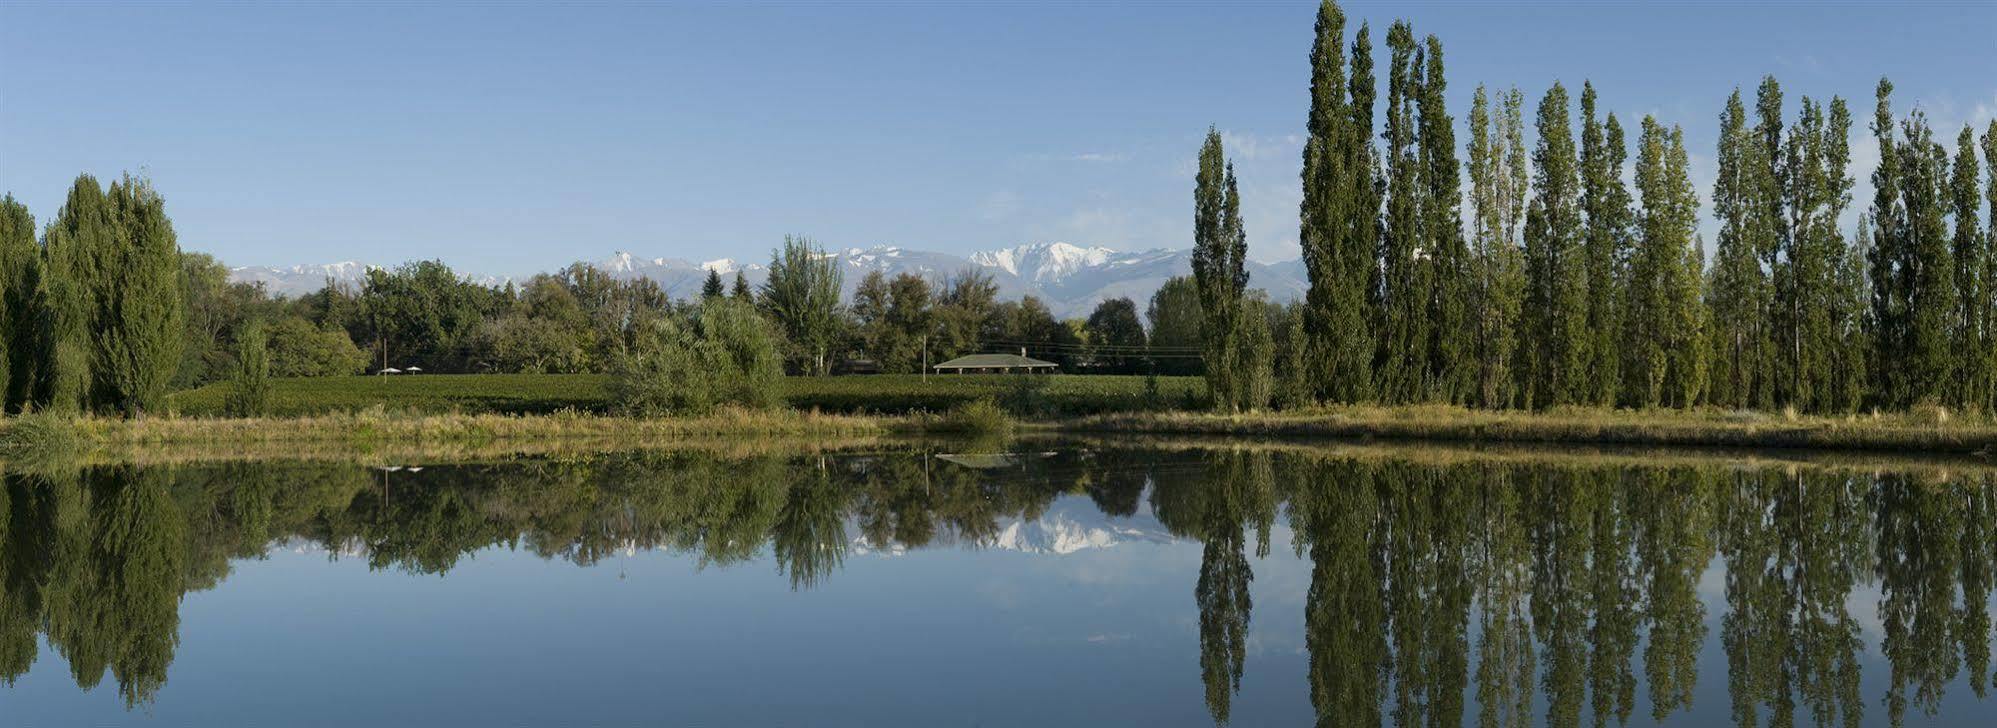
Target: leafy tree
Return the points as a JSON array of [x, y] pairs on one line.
[[1556, 282], [1740, 288], [299, 349], [894, 319], [1174, 314], [249, 386], [143, 304], [1989, 347], [1605, 242], [1338, 215], [1973, 379], [1931, 351], [1453, 362], [75, 247], [1404, 337], [802, 297], [423, 314], [1663, 338], [726, 353], [1888, 274], [967, 304], [1812, 311], [741, 290], [1497, 197], [19, 260], [1116, 336], [1219, 252], [712, 287]]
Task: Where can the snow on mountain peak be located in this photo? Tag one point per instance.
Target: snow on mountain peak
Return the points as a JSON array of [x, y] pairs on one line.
[[1043, 262], [723, 266]]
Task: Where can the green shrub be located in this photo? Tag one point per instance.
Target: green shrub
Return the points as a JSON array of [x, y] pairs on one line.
[[249, 386], [981, 416], [727, 354]]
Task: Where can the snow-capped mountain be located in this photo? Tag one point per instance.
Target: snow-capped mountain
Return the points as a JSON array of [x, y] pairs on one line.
[[1070, 279], [1072, 524], [299, 279], [1040, 262]]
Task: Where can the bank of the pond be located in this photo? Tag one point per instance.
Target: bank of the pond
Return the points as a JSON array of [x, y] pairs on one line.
[[1931, 432]]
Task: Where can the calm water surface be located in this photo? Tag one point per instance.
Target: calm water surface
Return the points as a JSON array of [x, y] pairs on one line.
[[1078, 586]]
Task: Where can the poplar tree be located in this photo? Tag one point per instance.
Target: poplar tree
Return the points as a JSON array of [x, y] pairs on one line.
[[1812, 312], [18, 259], [1220, 249], [1453, 352], [1497, 196], [1664, 319], [1557, 290], [1989, 347], [1930, 357], [1971, 329], [1403, 295], [1768, 229], [1890, 280], [1606, 203], [1336, 237], [1739, 287], [143, 303], [1339, 223]]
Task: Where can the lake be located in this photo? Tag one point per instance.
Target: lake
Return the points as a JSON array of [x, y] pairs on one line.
[[1050, 583]]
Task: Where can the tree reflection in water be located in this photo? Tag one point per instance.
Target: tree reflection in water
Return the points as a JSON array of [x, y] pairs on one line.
[[1545, 591]]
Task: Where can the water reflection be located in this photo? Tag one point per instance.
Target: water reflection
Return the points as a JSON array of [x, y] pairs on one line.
[[1441, 591]]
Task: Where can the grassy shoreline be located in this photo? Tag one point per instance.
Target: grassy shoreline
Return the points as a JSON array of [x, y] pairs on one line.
[[378, 431], [1910, 433]]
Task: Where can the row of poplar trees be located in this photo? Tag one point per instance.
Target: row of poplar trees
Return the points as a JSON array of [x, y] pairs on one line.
[[93, 313], [1567, 287]]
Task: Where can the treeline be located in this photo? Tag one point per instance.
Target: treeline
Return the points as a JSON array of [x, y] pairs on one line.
[[104, 314], [1568, 287]]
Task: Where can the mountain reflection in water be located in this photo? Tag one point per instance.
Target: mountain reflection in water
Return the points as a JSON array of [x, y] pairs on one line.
[[1441, 591]]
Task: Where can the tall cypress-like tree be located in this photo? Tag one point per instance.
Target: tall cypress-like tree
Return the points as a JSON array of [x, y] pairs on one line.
[[144, 303], [1364, 193], [1556, 273], [66, 297], [1220, 250], [1989, 347], [1811, 314], [1606, 203], [19, 256], [1497, 197], [1336, 234], [1403, 295], [1663, 325], [1972, 380], [1930, 355], [1890, 279], [1739, 287], [1453, 352]]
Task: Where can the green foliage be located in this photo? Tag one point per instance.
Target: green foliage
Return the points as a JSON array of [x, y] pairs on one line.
[[1663, 344], [1338, 215], [802, 296], [20, 257], [423, 314], [299, 349], [1116, 337], [1174, 313], [725, 354], [981, 416], [1556, 270], [712, 288], [893, 320], [1497, 197], [1606, 244], [143, 306], [249, 387], [1220, 248]]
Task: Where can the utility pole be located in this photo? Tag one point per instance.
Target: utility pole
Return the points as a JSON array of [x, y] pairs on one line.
[[925, 358]]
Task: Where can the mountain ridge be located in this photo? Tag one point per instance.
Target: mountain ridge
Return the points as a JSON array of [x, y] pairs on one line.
[[1071, 279]]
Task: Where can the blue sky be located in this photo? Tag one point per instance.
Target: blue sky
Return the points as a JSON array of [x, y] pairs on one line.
[[508, 138]]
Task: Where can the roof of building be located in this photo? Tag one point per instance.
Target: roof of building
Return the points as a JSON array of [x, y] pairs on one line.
[[995, 361]]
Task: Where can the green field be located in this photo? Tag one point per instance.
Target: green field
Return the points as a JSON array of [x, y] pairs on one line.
[[546, 393]]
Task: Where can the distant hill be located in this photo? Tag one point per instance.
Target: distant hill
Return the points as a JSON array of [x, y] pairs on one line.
[[1071, 279]]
